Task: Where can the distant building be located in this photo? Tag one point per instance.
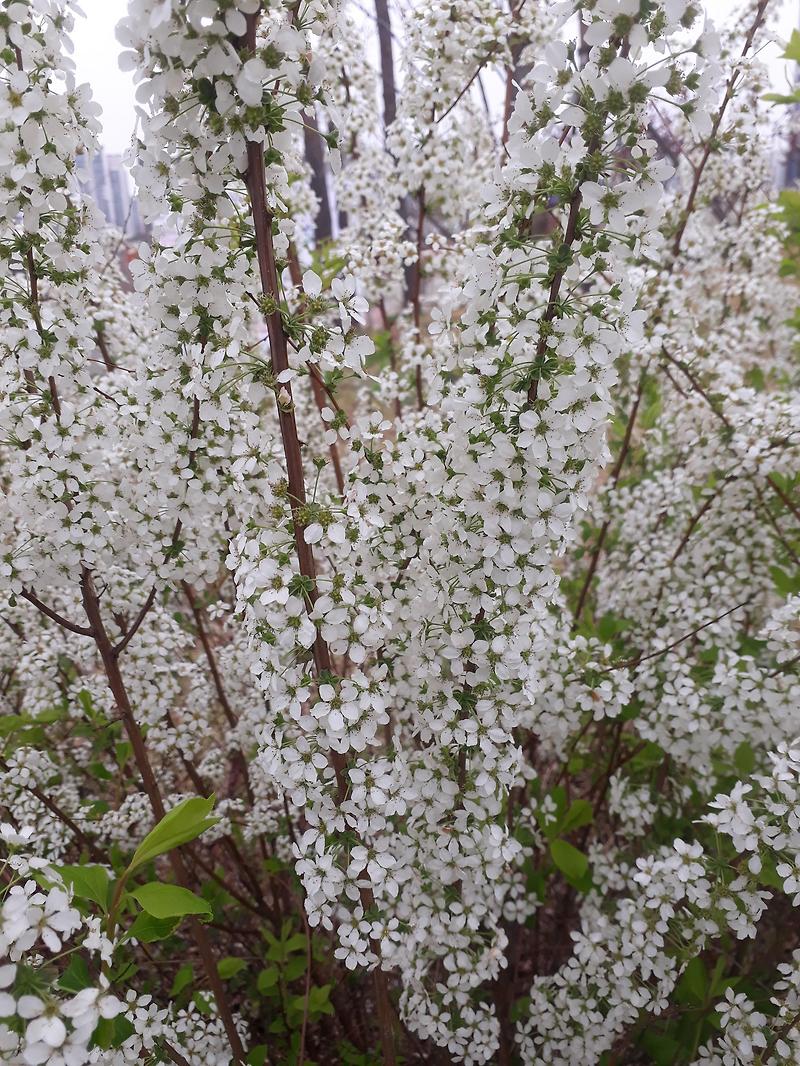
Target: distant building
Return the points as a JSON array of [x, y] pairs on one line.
[[105, 179]]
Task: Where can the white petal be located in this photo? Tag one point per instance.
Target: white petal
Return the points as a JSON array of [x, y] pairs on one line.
[[47, 1028], [313, 534], [29, 1007], [312, 285]]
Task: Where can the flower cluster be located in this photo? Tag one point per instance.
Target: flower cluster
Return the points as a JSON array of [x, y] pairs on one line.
[[401, 549]]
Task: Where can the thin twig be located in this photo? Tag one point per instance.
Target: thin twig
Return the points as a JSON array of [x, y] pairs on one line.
[[630, 663], [31, 597]]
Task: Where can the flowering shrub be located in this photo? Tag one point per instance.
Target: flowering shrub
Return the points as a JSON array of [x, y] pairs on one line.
[[401, 588]]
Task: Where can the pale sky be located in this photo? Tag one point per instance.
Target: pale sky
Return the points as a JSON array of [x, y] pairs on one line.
[[96, 52]]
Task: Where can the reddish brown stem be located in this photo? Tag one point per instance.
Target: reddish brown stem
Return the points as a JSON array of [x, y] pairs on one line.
[[711, 140], [279, 357], [265, 252], [615, 475], [31, 597], [94, 852], [122, 702], [148, 603], [630, 663], [318, 387]]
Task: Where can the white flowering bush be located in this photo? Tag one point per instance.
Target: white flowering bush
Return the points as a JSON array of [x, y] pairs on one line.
[[401, 558]]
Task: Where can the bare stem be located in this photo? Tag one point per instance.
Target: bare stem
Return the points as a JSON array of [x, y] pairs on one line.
[[110, 660]]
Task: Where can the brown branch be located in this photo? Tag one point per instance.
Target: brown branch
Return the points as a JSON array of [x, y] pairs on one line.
[[318, 387], [629, 663], [122, 702], [103, 349], [307, 989], [262, 221], [711, 140], [786, 499], [696, 517], [778, 531], [94, 852], [555, 286], [148, 603], [31, 597], [222, 696], [615, 476], [508, 104], [175, 1055]]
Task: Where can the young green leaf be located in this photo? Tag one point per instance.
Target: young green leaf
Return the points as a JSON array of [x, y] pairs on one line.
[[663, 1050], [87, 882], [169, 901], [571, 862], [693, 985], [579, 814], [76, 977], [793, 47], [147, 929], [183, 978], [267, 979], [180, 825], [744, 759], [230, 966], [319, 999]]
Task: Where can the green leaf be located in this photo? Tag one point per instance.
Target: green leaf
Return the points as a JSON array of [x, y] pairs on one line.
[[11, 722], [782, 98], [786, 585], [202, 1004], [180, 825], [147, 929], [230, 966], [257, 1056], [123, 751], [631, 710], [768, 875], [651, 414], [52, 714], [744, 759], [693, 985], [112, 1032], [88, 882], [579, 814], [169, 901], [663, 1049], [294, 967], [571, 862], [755, 375], [85, 700], [319, 999], [76, 977], [267, 979], [183, 978], [793, 47], [607, 627], [716, 981], [280, 950], [98, 770]]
